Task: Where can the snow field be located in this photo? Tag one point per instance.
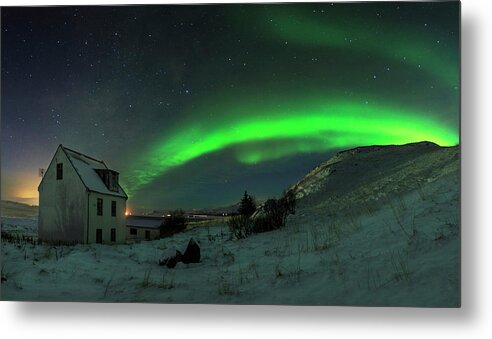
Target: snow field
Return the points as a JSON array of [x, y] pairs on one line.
[[405, 253]]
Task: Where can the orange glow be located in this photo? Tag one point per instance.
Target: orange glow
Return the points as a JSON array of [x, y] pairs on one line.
[[21, 187], [26, 195], [128, 213]]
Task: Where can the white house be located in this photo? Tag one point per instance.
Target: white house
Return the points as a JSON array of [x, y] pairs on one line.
[[80, 201]]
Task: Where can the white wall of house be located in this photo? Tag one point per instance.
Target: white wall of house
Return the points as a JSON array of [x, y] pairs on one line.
[[63, 204], [106, 221]]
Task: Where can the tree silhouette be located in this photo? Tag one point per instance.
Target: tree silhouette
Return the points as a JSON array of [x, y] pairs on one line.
[[247, 206]]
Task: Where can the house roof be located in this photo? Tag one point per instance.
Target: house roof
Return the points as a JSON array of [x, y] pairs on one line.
[[143, 221], [86, 167]]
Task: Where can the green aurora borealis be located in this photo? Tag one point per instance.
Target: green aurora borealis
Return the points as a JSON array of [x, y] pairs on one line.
[[305, 129], [194, 104], [413, 46], [259, 133]]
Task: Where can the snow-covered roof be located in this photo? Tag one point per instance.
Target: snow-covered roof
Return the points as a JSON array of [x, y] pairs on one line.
[[86, 167], [144, 221]]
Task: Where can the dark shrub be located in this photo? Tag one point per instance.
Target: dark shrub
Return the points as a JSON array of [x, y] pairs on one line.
[[272, 216], [275, 212], [288, 202], [173, 224], [264, 223], [240, 226]]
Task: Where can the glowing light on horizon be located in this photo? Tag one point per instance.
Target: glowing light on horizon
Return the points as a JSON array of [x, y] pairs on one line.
[[21, 187]]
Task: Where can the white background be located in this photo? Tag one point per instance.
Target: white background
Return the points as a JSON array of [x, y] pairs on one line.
[[473, 320]]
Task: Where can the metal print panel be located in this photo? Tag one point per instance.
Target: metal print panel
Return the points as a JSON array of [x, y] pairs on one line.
[[297, 154]]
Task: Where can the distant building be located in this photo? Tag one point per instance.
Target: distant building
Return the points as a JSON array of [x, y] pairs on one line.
[[80, 201], [143, 227]]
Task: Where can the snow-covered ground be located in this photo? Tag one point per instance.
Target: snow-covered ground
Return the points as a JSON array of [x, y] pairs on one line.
[[406, 252], [26, 226], [370, 262]]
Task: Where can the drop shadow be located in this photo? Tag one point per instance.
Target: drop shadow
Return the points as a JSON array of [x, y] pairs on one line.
[[201, 314]]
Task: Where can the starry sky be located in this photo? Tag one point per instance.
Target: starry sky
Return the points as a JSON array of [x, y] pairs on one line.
[[193, 104]]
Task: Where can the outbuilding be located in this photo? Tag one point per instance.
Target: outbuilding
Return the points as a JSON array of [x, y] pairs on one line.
[[143, 227]]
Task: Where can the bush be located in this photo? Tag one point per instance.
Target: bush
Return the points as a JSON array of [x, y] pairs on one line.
[[173, 224], [273, 216], [240, 226], [288, 201], [276, 212]]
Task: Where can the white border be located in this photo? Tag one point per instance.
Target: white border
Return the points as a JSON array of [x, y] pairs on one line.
[[473, 320]]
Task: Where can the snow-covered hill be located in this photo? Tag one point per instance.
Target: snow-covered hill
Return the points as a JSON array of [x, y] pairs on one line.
[[366, 174], [375, 226]]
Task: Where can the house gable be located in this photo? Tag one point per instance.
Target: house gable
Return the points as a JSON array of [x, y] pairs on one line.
[[52, 165], [62, 202]]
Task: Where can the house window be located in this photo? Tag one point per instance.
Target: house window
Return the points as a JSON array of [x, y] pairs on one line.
[[99, 206], [147, 235], [113, 208], [110, 179], [99, 236], [113, 182], [113, 234], [59, 171], [133, 231]]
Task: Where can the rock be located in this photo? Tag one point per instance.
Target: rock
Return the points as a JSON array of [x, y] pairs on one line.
[[192, 253], [169, 252], [171, 262]]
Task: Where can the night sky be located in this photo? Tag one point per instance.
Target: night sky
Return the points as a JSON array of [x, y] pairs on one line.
[[194, 104]]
